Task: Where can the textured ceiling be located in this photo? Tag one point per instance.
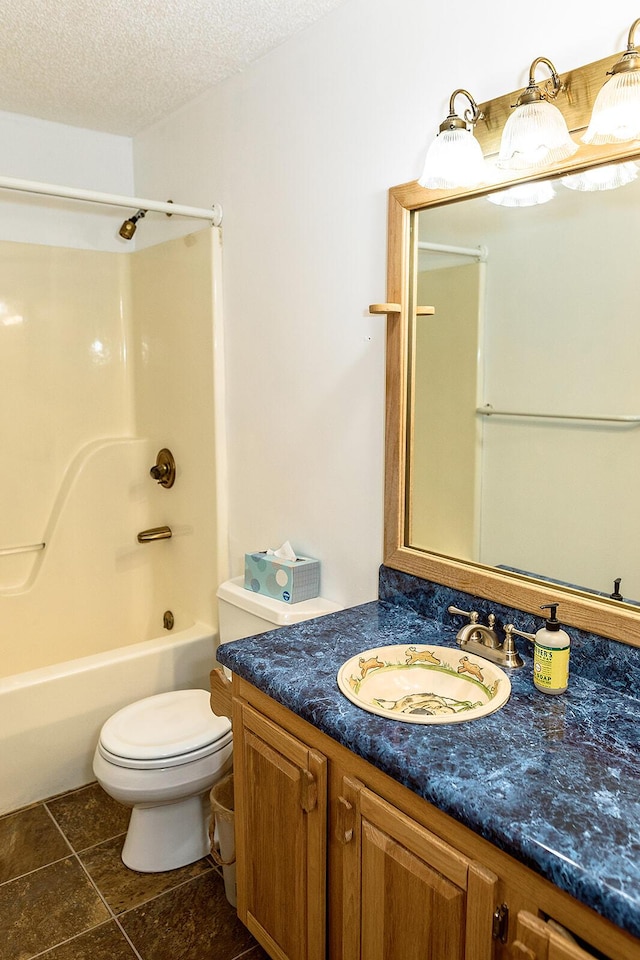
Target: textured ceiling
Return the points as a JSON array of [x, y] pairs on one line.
[[120, 65]]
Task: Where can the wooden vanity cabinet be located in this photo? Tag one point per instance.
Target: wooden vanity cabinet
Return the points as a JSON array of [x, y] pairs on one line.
[[404, 893], [335, 859], [407, 895], [280, 788]]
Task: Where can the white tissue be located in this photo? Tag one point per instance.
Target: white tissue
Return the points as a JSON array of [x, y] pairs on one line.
[[285, 552]]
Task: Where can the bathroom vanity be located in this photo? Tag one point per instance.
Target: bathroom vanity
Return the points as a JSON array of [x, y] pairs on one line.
[[360, 836]]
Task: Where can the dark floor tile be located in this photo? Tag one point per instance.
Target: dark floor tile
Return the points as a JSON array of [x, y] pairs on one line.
[[257, 953], [188, 923], [102, 943], [123, 888], [28, 840], [89, 816], [46, 907]]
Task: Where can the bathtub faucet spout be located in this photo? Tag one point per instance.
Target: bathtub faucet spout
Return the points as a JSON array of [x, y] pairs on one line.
[[154, 533]]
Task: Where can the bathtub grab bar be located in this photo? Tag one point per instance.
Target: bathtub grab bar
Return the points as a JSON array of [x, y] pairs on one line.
[[489, 411], [28, 548], [154, 533]]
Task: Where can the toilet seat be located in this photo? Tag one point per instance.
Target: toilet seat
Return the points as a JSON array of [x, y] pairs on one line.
[[165, 730]]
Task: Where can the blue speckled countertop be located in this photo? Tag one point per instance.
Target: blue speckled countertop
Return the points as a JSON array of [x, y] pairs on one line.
[[553, 781]]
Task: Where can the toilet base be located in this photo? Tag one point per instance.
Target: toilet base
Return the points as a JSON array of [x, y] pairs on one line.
[[168, 835]]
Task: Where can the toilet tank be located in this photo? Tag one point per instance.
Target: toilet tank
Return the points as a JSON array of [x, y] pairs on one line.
[[243, 613]]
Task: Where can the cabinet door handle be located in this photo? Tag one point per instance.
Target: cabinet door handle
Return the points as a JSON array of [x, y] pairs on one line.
[[308, 791], [344, 821]]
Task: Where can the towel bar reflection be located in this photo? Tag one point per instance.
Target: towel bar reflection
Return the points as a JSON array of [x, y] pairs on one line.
[[27, 548], [154, 533], [489, 411]]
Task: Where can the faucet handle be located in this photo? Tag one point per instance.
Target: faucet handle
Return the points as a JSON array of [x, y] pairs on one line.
[[472, 615], [164, 469], [509, 629]]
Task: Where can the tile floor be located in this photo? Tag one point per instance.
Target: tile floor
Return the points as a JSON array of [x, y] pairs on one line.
[[66, 895]]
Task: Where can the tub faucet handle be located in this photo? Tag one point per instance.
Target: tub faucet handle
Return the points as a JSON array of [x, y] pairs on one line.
[[164, 469]]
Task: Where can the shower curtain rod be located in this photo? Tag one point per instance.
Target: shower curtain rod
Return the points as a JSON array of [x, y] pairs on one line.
[[214, 213]]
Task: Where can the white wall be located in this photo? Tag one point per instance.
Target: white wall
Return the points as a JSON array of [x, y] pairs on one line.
[[56, 153], [300, 149]]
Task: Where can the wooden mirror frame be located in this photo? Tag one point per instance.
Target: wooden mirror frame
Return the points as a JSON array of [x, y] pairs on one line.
[[608, 618]]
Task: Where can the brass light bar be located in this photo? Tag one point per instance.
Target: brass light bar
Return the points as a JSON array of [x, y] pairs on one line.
[[581, 87]]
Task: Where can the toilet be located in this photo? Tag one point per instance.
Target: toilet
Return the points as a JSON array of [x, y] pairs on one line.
[[161, 755]]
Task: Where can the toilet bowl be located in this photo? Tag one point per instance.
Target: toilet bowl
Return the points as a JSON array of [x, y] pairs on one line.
[[161, 756]]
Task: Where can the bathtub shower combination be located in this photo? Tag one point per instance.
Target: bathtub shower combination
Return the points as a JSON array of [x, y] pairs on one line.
[[106, 358]]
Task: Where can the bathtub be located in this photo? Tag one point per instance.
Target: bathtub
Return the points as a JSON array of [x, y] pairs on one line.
[[50, 718]]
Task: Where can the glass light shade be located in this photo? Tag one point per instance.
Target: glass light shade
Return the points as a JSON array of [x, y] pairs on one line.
[[535, 135], [609, 177], [523, 195], [453, 160], [616, 112]]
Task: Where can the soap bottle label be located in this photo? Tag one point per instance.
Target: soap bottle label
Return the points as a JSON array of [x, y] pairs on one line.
[[551, 667]]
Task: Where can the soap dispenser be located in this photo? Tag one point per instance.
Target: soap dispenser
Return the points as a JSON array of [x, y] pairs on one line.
[[551, 655]]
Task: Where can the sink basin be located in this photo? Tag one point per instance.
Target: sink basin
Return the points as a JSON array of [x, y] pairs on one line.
[[424, 684]]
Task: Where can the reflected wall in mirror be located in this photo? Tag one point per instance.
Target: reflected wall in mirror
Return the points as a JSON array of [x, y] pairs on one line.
[[542, 319]]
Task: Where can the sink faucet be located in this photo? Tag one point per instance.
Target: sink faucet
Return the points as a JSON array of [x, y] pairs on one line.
[[483, 639], [478, 632]]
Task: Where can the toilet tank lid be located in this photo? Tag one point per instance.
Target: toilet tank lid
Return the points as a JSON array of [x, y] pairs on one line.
[[274, 611]]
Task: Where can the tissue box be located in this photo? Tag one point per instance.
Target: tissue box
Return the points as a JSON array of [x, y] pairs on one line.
[[288, 580]]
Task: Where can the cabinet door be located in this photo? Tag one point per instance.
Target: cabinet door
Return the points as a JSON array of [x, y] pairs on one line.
[[407, 894], [535, 940], [280, 806]]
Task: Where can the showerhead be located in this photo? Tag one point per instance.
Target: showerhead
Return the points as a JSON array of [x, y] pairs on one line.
[[129, 226]]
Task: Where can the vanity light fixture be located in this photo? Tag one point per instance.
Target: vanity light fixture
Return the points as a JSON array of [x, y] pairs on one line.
[[616, 112], [608, 177], [455, 158], [524, 195], [536, 133]]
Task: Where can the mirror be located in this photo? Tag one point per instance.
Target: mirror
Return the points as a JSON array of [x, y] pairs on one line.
[[519, 509], [539, 320]]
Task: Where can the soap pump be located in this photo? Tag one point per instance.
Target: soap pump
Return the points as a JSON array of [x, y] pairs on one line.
[[551, 655]]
